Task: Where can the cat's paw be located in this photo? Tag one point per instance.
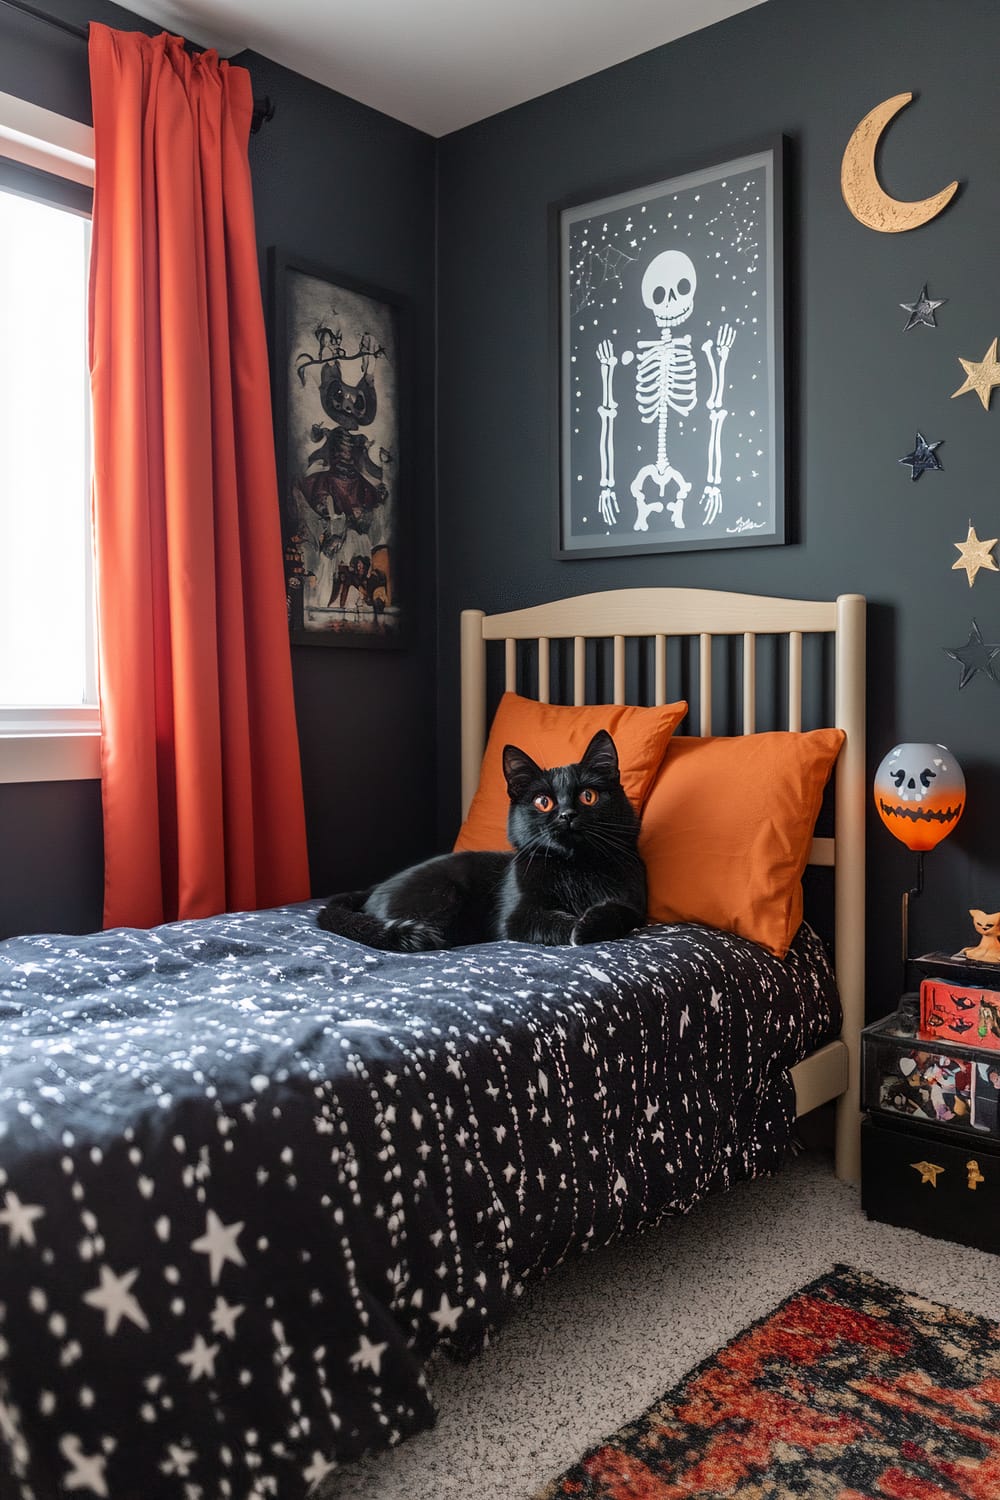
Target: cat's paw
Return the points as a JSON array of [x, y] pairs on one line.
[[599, 924], [408, 935]]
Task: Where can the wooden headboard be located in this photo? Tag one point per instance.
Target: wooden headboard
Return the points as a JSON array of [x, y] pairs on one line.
[[660, 616]]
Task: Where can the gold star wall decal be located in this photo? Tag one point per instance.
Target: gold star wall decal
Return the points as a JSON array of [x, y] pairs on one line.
[[980, 376], [928, 1171], [974, 554]]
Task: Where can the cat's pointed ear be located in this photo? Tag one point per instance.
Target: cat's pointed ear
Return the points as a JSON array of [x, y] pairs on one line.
[[601, 757], [975, 913], [519, 769]]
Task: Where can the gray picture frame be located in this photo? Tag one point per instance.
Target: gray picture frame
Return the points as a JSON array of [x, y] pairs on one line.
[[338, 351], [669, 318]]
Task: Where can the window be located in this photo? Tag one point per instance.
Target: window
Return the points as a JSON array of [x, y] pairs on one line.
[[48, 701]]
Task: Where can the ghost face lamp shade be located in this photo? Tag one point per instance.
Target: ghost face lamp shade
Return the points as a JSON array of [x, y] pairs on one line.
[[920, 796]]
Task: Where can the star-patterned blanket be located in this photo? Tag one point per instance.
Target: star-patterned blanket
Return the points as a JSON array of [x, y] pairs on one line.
[[252, 1173]]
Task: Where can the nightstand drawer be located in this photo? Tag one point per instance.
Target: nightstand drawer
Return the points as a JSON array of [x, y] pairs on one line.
[[943, 1187]]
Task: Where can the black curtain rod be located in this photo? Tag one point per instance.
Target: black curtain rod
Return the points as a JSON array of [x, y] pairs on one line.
[[263, 109]]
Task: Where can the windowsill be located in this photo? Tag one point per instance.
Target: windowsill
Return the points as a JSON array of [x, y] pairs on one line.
[[50, 757]]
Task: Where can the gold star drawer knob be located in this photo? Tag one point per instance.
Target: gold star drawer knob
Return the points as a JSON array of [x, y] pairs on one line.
[[928, 1171], [975, 1176]]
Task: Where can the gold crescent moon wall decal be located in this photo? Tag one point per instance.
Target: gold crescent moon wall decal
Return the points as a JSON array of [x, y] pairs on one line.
[[863, 193]]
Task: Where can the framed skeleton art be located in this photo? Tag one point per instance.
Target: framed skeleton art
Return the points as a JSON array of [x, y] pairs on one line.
[[671, 345]]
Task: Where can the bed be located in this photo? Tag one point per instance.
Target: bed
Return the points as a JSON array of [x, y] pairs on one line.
[[252, 1174]]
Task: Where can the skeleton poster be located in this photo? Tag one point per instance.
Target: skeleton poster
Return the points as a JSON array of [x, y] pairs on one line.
[[339, 372], [670, 364]]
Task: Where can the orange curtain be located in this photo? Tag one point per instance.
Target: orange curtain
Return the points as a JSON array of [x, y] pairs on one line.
[[202, 785]]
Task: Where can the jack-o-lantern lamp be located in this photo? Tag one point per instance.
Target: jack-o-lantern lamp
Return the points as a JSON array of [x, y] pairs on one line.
[[920, 796]]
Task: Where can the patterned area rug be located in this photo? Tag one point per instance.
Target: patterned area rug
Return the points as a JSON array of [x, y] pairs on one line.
[[850, 1390]]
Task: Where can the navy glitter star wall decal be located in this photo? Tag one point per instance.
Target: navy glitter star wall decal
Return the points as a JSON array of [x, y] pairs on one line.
[[922, 310], [923, 456], [975, 656]]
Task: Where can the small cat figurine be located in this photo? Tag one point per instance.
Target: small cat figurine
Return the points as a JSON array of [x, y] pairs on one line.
[[575, 875], [987, 924]]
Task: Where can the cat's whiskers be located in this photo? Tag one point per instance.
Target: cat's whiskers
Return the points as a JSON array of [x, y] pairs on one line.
[[607, 838], [538, 843]]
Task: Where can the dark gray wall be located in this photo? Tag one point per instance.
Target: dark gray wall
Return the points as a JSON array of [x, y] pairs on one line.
[[345, 187], [858, 387]]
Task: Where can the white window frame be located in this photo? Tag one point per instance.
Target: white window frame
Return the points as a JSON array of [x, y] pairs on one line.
[[49, 744]]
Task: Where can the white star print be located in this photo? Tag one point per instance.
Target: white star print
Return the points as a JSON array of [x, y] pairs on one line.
[[368, 1356], [20, 1219], [224, 1317], [318, 1469], [200, 1358], [87, 1470], [178, 1461], [446, 1316], [115, 1299], [219, 1244], [8, 1426]]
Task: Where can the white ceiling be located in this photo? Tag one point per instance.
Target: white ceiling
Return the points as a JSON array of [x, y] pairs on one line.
[[439, 64]]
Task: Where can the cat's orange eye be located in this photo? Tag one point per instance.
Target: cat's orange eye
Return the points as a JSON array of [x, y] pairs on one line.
[[588, 796], [543, 803]]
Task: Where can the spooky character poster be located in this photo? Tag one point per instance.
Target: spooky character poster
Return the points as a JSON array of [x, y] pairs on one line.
[[671, 392], [341, 461]]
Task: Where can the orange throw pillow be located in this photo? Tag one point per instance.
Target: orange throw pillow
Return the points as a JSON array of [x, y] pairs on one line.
[[727, 827], [556, 735]]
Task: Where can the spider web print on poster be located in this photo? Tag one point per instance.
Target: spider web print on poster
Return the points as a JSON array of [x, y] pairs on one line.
[[670, 362]]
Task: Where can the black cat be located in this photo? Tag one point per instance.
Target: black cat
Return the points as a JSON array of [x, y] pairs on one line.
[[575, 875]]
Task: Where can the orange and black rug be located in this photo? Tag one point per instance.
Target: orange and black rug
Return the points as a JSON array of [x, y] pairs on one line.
[[850, 1390]]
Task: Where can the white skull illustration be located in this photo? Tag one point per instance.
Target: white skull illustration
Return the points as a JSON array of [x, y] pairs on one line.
[[668, 288]]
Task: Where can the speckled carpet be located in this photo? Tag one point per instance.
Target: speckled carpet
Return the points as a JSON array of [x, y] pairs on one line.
[[850, 1388], [603, 1338]]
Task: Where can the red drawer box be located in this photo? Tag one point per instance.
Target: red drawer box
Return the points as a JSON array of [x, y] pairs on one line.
[[959, 1013]]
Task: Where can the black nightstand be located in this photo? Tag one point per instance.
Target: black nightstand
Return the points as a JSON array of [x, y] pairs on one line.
[[930, 1142]]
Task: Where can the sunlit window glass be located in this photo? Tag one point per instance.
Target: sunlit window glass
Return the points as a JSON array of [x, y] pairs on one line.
[[45, 638]]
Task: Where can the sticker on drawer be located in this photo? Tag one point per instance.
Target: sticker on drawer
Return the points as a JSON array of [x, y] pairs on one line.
[[956, 1013]]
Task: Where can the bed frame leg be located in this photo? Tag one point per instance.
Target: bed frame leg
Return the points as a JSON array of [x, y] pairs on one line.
[[848, 1137]]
